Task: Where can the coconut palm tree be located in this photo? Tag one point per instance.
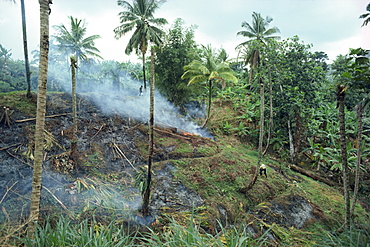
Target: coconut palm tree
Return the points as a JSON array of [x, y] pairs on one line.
[[210, 70], [146, 196], [74, 43], [366, 16], [74, 109], [139, 16], [40, 112], [258, 35], [5, 54], [25, 48]]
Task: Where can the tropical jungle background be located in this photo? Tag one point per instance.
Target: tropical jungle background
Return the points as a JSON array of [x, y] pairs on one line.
[[178, 138]]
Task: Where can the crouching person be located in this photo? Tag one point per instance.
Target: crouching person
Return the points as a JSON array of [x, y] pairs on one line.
[[263, 170]]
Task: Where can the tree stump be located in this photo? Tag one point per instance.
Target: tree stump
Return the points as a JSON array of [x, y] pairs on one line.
[[5, 117]]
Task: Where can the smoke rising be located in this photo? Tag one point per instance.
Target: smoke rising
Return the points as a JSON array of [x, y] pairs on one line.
[[129, 103], [115, 92]]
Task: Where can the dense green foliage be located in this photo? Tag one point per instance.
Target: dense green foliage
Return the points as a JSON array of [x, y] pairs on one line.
[[178, 50], [12, 73]]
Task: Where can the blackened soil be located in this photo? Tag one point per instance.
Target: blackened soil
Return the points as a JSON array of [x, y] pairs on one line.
[[104, 174]]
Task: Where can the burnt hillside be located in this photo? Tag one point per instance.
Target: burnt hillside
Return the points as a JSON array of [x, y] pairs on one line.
[[191, 174]]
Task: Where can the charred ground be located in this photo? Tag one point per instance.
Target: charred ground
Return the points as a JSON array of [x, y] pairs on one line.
[[191, 174]]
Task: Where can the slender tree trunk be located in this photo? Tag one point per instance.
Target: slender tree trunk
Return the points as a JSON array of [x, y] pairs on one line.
[[209, 104], [143, 58], [260, 142], [359, 147], [262, 123], [290, 135], [291, 143], [271, 114], [25, 49], [40, 114], [341, 92], [146, 197], [297, 135], [73, 154]]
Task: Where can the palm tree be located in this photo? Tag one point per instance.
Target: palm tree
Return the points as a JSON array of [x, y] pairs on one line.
[[73, 42], [146, 196], [40, 112], [366, 16], [25, 48], [5, 54], [139, 16], [259, 34], [212, 69], [74, 109]]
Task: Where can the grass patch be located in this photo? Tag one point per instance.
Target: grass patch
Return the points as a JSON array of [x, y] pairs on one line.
[[18, 100]]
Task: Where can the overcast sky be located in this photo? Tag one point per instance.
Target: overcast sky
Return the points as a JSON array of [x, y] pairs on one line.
[[332, 26]]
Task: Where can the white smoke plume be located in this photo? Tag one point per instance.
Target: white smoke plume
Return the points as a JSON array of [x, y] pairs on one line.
[[128, 102]]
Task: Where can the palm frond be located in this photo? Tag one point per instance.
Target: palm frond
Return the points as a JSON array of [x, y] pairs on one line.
[[73, 41], [140, 17], [257, 30], [197, 79]]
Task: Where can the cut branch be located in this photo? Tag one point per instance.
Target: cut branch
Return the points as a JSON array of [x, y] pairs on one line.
[[7, 190], [123, 155], [101, 127], [61, 204], [10, 146], [51, 116]]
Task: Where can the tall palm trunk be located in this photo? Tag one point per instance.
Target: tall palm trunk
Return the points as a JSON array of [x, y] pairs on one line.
[[144, 74], [341, 93], [146, 197], [40, 113], [74, 110], [25, 49], [209, 104]]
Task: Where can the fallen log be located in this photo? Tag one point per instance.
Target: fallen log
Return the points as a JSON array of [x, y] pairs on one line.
[[171, 133], [51, 116], [313, 176]]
